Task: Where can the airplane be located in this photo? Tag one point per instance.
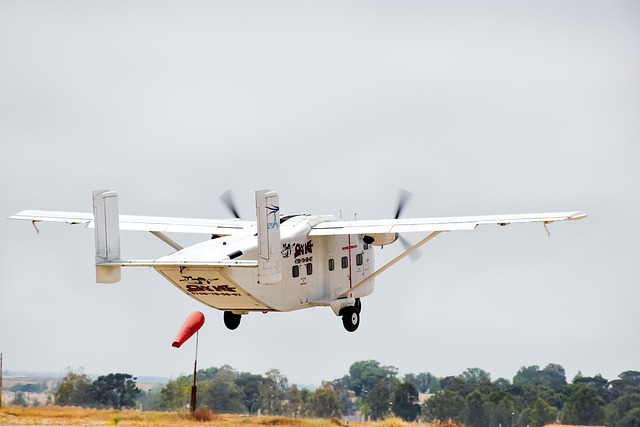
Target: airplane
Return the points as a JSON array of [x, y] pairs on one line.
[[273, 264]]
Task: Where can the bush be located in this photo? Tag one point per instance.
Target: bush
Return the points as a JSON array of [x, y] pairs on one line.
[[203, 414]]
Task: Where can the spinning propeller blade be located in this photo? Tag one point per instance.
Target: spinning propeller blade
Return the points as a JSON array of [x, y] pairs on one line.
[[415, 255], [402, 201], [227, 199]]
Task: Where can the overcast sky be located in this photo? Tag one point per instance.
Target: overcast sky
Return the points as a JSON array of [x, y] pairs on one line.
[[475, 107]]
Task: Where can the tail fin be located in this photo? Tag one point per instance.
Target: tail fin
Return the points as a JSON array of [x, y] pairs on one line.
[[107, 225], [269, 244]]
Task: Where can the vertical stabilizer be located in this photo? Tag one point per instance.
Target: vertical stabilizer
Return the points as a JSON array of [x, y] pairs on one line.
[[269, 244], [107, 225]]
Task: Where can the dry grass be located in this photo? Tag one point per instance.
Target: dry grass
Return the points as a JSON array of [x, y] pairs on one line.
[[446, 424], [392, 422], [72, 416]]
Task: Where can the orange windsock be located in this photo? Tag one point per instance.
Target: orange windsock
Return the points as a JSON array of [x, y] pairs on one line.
[[190, 327]]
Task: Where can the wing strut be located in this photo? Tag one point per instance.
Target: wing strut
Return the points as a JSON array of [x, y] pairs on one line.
[[167, 240], [391, 263]]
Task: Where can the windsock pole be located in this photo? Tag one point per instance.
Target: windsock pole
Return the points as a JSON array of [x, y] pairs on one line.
[[194, 388], [191, 326]]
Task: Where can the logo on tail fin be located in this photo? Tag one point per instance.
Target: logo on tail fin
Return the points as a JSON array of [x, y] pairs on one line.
[[273, 210]]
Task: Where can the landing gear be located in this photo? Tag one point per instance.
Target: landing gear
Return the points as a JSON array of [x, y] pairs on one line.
[[351, 316], [231, 320]]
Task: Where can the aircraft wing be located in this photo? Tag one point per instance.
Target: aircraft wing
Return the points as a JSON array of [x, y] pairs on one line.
[[147, 223], [409, 225]]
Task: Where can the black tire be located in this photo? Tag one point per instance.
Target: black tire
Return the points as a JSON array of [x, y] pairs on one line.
[[232, 321], [358, 305], [350, 318]]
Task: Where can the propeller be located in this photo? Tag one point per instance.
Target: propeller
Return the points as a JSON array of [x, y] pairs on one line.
[[415, 255], [227, 199], [402, 201]]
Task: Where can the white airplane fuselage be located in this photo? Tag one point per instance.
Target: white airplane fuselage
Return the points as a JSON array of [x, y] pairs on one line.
[[315, 270]]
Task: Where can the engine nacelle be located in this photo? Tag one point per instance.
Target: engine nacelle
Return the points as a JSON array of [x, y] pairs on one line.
[[380, 239]]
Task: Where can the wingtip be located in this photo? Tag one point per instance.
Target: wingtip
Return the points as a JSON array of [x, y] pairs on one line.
[[578, 215]]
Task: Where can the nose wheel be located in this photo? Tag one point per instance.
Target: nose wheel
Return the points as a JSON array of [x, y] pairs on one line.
[[351, 316]]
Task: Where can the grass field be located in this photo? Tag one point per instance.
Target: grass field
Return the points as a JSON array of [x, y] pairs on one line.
[[51, 415], [72, 416]]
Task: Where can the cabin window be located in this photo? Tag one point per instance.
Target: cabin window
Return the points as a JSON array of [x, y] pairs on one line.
[[309, 269], [295, 271], [332, 264], [359, 259], [345, 262]]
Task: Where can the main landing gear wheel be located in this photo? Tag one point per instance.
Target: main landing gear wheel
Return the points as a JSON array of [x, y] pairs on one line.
[[351, 318], [231, 320]]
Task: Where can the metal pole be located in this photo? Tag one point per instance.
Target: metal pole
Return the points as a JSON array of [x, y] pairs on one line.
[[194, 388]]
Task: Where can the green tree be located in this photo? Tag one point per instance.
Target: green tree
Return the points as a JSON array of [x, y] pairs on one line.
[[204, 375], [456, 384], [631, 419], [632, 377], [365, 374], [444, 405], [424, 382], [552, 376], [541, 413], [295, 402], [325, 402], [598, 384], [405, 402], [75, 389], [620, 407], [499, 406], [176, 394], [583, 407], [502, 384], [221, 393], [273, 392], [380, 398], [20, 400], [474, 377], [628, 382], [475, 412], [29, 388], [342, 387], [250, 386], [116, 390]]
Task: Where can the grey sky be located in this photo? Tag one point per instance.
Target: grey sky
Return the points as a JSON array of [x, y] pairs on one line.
[[476, 107]]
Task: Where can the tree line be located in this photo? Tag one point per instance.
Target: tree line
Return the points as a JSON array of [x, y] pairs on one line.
[[116, 391], [534, 397]]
